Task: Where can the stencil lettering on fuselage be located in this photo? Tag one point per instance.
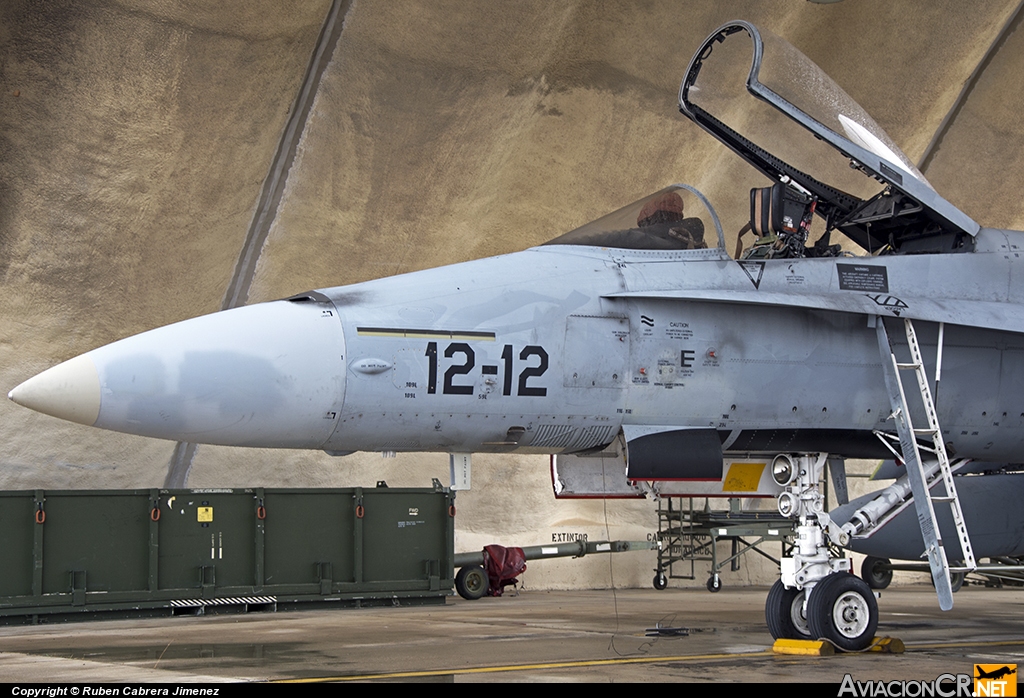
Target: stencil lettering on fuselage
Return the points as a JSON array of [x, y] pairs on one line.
[[754, 272]]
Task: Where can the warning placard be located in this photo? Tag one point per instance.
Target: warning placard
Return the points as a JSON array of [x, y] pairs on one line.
[[863, 277]]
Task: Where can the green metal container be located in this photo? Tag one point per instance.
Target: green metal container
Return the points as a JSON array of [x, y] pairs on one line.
[[159, 552]]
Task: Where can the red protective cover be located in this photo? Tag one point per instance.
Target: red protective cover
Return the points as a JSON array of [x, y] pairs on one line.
[[503, 566]]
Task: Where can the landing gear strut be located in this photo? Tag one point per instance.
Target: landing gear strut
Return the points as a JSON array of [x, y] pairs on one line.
[[816, 597]]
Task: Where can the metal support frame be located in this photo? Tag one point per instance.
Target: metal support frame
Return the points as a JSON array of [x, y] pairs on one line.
[[690, 536]]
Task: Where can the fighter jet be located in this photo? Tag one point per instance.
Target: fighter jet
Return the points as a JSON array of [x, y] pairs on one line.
[[639, 342]]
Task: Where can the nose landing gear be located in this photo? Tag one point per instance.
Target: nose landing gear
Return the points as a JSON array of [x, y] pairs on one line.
[[817, 596]]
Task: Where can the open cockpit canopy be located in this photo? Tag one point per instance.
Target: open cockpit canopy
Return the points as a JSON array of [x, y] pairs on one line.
[[806, 134]]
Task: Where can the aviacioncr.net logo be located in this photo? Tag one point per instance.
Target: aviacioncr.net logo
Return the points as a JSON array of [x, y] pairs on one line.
[[995, 680], [945, 686]]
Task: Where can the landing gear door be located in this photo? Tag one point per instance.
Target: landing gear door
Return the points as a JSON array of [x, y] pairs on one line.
[[594, 475]]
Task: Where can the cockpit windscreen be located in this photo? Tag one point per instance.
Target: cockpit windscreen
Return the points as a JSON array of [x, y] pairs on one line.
[[676, 218]]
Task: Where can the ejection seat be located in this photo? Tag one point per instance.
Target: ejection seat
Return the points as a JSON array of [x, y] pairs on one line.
[[780, 216], [780, 219]]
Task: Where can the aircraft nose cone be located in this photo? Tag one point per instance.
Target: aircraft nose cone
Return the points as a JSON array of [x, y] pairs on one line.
[[70, 391], [266, 375]]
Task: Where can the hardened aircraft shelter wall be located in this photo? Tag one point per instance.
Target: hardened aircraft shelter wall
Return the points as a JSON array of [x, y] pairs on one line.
[[165, 552]]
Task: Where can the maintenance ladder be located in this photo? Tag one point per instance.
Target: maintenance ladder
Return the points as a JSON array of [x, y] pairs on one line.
[[924, 501]]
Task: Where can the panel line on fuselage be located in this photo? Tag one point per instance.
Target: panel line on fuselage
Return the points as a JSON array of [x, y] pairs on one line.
[[424, 334]]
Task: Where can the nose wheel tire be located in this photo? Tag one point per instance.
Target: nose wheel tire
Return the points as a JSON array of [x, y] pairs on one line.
[[471, 583], [714, 583], [784, 613], [660, 581], [843, 610]]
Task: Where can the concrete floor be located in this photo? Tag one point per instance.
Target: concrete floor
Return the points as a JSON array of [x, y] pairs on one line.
[[591, 636]]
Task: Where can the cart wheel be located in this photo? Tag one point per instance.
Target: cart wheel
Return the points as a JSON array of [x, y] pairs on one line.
[[471, 582], [660, 581], [714, 583], [876, 572]]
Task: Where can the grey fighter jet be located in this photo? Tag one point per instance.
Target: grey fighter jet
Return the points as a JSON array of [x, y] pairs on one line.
[[639, 343]]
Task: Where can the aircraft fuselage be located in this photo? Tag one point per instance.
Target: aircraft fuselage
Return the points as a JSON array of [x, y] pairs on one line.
[[513, 343], [557, 348]]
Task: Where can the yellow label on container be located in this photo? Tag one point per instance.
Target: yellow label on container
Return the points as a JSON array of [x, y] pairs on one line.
[[204, 514]]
